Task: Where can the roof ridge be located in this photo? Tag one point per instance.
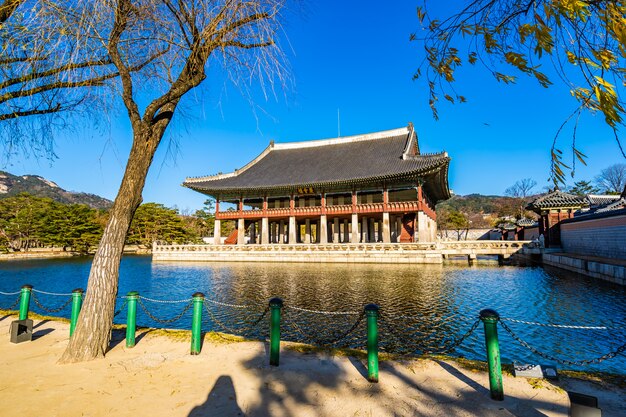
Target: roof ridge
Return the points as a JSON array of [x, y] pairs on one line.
[[340, 140]]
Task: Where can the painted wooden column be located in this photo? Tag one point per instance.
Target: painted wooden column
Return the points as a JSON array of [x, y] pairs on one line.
[[336, 230], [386, 231], [292, 230], [281, 232], [355, 228], [397, 224], [322, 226], [217, 232], [241, 231], [307, 231], [364, 230], [252, 232], [385, 200], [265, 229]]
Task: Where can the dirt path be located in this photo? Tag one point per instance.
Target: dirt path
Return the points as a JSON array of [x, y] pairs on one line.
[[159, 378]]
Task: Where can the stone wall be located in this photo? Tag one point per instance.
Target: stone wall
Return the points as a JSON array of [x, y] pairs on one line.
[[531, 233], [471, 234], [598, 270], [601, 235]]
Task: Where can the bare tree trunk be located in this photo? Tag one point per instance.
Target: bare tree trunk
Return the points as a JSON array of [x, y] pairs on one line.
[[93, 329]]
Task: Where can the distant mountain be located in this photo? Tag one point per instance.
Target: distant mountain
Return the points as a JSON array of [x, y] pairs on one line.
[[11, 185]]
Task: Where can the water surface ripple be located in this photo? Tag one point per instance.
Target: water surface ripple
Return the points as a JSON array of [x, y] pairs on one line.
[[423, 307]]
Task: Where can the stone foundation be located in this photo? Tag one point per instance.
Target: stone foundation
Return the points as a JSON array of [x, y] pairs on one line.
[[594, 269]]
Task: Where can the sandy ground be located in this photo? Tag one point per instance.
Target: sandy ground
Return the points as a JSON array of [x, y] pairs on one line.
[[158, 377]]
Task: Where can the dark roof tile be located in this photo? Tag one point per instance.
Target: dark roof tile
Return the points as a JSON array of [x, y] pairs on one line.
[[377, 156]]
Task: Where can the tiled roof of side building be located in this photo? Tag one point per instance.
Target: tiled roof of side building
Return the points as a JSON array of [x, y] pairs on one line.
[[601, 199], [556, 199], [324, 163]]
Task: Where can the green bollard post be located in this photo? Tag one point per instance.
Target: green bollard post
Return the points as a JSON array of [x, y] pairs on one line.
[[25, 301], [131, 318], [77, 301], [276, 305], [371, 311], [196, 323], [490, 319]]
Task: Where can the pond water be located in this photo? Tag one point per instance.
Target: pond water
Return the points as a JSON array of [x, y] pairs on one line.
[[424, 308]]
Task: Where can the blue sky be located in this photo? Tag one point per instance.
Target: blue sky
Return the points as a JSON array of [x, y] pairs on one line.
[[355, 57]]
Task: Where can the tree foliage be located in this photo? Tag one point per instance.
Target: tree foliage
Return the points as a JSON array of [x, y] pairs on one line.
[[583, 188], [583, 41], [452, 221], [154, 222], [28, 222]]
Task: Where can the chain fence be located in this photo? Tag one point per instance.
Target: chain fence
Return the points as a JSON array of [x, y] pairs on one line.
[[122, 307], [583, 362], [15, 303], [47, 309], [398, 333], [164, 321], [329, 329], [424, 334], [254, 324]]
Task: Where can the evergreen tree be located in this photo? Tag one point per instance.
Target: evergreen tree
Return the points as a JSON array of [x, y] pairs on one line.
[[583, 187]]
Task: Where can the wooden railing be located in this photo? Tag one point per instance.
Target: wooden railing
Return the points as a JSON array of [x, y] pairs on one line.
[[342, 209]]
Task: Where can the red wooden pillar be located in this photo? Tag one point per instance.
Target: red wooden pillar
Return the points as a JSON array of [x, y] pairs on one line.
[[385, 199], [420, 197], [353, 201]]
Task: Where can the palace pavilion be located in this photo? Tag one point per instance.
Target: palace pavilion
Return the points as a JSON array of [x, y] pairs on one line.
[[375, 187]]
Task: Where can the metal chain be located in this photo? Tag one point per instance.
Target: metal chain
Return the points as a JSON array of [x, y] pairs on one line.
[[158, 320], [560, 326], [446, 348], [52, 293], [12, 306], [231, 329], [10, 293], [457, 341], [326, 313], [322, 342], [164, 301], [609, 355], [51, 310], [457, 317], [219, 303], [121, 307]]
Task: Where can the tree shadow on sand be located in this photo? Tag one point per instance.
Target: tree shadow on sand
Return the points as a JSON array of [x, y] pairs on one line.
[[277, 390], [317, 384]]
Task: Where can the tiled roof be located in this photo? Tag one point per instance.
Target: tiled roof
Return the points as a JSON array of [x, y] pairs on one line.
[[600, 200], [527, 222], [557, 199], [376, 157], [615, 205]]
